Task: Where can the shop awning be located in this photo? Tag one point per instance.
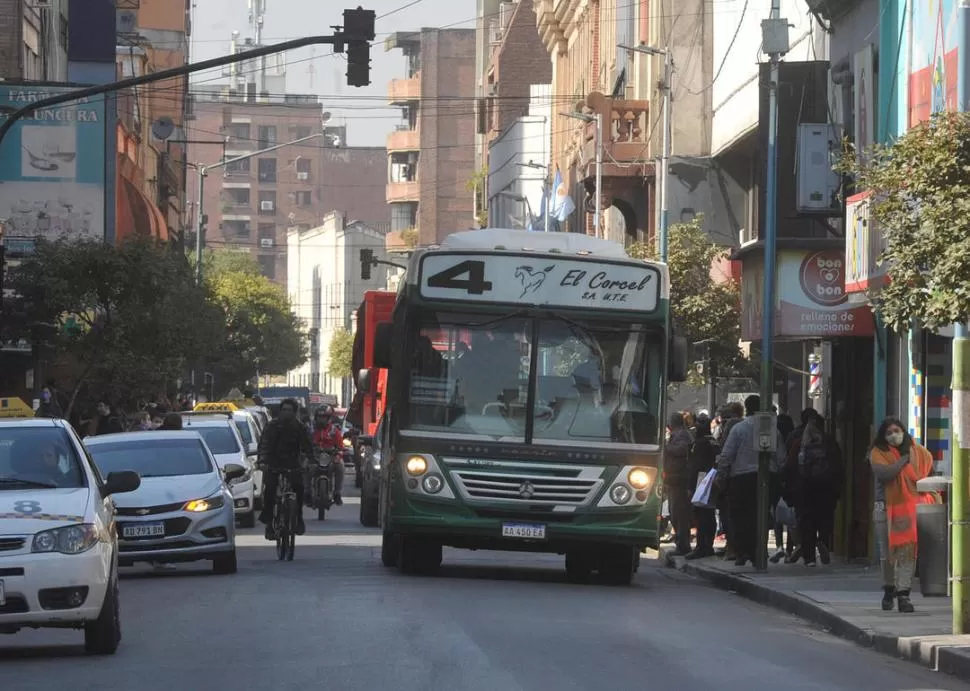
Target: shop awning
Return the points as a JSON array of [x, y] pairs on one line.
[[137, 214]]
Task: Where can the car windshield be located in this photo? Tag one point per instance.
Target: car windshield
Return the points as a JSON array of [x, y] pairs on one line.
[[594, 383], [220, 440], [152, 457], [38, 457], [244, 431]]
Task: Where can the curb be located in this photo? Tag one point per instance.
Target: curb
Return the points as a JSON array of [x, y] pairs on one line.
[[939, 653]]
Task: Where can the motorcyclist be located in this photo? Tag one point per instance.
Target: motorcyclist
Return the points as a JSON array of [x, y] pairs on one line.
[[328, 439], [284, 445]]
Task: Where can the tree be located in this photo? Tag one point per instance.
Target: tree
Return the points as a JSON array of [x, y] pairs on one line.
[[128, 316], [478, 185], [341, 354], [705, 310], [260, 326], [920, 202]]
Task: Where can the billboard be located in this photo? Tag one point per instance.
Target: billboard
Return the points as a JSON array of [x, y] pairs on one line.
[[864, 245], [933, 59], [52, 166]]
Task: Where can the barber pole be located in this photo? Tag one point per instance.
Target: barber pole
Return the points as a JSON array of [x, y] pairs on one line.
[[815, 379]]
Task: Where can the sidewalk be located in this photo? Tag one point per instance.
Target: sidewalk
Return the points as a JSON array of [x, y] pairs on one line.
[[844, 599]]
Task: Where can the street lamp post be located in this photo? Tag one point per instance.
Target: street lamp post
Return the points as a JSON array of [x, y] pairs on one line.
[[663, 235], [203, 170], [598, 119]]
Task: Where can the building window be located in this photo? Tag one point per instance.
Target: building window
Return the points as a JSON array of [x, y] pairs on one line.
[[266, 135], [266, 234], [236, 196], [238, 168], [267, 202], [235, 230], [239, 134], [303, 198], [267, 169], [404, 216], [267, 264], [303, 166], [404, 166], [300, 132]]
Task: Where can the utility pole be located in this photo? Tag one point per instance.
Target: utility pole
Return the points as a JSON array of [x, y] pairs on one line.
[[774, 37], [203, 170], [662, 174], [960, 489]]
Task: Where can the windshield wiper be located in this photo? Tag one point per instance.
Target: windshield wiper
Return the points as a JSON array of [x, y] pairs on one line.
[[26, 483]]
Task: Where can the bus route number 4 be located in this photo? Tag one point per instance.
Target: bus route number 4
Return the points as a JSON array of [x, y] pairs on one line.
[[468, 276]]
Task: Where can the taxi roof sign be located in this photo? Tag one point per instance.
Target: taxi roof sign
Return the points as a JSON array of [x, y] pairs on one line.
[[216, 407], [14, 407]]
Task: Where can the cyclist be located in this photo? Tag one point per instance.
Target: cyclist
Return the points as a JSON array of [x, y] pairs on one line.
[[283, 446], [328, 438]]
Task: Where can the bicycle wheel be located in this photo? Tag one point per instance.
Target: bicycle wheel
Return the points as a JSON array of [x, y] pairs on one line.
[[280, 524], [292, 515]]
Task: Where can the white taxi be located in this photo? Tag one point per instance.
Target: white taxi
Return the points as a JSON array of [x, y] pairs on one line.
[[219, 432], [58, 541]]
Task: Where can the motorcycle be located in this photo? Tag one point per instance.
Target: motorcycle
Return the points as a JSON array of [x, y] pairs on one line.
[[320, 482]]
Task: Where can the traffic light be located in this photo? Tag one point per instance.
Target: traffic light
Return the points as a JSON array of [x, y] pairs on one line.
[[359, 25], [366, 262], [358, 30]]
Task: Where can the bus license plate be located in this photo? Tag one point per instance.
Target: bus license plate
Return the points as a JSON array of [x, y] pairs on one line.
[[144, 530], [529, 531]]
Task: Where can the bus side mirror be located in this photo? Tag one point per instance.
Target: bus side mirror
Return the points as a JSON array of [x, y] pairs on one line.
[[677, 371], [363, 381], [382, 345]]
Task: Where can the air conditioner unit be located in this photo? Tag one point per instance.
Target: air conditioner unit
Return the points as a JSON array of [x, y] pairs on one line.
[[266, 206], [302, 176], [266, 242]]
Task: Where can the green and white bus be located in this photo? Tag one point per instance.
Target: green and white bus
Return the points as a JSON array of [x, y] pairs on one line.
[[525, 401]]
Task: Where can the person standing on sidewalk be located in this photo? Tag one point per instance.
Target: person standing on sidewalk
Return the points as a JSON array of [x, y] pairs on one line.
[[677, 481], [818, 473], [739, 464], [898, 463], [700, 461]]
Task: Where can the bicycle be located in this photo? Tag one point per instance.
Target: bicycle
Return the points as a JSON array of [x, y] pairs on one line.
[[285, 514]]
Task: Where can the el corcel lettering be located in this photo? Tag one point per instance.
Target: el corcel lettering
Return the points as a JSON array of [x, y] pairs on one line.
[[600, 280]]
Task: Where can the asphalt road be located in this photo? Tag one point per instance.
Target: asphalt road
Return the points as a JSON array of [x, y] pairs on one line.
[[336, 619]]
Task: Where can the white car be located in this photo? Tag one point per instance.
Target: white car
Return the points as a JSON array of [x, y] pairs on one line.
[[219, 432], [58, 541], [183, 511], [250, 432]]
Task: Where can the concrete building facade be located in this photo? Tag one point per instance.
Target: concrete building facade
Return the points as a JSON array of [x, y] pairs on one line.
[[34, 40]]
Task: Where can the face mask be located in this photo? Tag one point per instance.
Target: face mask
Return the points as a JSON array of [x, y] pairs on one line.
[[895, 438], [45, 397]]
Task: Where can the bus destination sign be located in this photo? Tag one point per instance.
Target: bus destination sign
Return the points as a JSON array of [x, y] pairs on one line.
[[542, 281]]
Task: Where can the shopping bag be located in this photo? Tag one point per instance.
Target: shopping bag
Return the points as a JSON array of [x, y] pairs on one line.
[[703, 496], [785, 514]]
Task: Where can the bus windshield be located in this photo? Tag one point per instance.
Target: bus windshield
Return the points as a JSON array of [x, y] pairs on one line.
[[594, 383]]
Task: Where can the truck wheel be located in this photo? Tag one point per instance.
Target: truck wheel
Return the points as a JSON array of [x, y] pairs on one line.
[[390, 549], [102, 636], [419, 556], [618, 565], [579, 567]]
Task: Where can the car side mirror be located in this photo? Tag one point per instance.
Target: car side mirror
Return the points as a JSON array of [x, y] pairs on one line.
[[233, 471], [365, 440], [363, 381], [383, 334], [252, 448], [120, 482], [677, 371]]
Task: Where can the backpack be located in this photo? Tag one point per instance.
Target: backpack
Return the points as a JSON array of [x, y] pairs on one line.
[[812, 461]]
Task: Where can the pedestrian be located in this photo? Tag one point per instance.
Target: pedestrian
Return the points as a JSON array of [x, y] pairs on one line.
[[739, 464], [106, 422], [143, 422], [898, 463], [730, 415], [818, 468], [49, 407], [700, 462], [677, 481], [172, 422]]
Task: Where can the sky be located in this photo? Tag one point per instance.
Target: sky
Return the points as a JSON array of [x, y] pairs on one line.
[[311, 70]]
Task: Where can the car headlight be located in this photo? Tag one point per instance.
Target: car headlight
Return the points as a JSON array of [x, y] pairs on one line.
[[348, 443], [417, 465], [200, 505], [71, 539], [641, 478]]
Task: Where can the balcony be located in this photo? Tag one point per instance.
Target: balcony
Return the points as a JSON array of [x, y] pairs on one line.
[[625, 136], [403, 192], [404, 140], [402, 91], [403, 241]]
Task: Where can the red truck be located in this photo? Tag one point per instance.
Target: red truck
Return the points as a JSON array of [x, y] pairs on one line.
[[368, 406]]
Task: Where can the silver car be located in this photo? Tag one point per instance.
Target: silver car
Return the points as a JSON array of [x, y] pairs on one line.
[[183, 510]]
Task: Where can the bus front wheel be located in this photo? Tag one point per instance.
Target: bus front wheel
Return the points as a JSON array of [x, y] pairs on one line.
[[390, 549], [418, 555], [618, 565]]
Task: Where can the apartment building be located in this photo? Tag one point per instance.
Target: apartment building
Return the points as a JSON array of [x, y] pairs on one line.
[[252, 203], [431, 154], [34, 40]]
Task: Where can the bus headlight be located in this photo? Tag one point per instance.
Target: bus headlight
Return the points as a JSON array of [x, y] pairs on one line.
[[641, 478], [620, 494], [432, 484], [416, 465]]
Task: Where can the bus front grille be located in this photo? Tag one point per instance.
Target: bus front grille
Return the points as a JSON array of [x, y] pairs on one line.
[[520, 486]]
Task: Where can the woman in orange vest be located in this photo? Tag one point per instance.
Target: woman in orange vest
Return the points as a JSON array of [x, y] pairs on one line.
[[898, 463]]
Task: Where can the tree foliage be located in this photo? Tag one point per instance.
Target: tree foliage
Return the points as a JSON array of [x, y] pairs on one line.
[[920, 202], [704, 309], [341, 354], [129, 316]]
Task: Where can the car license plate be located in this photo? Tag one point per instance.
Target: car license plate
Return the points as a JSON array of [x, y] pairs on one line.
[[529, 531], [3, 595], [144, 530]]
